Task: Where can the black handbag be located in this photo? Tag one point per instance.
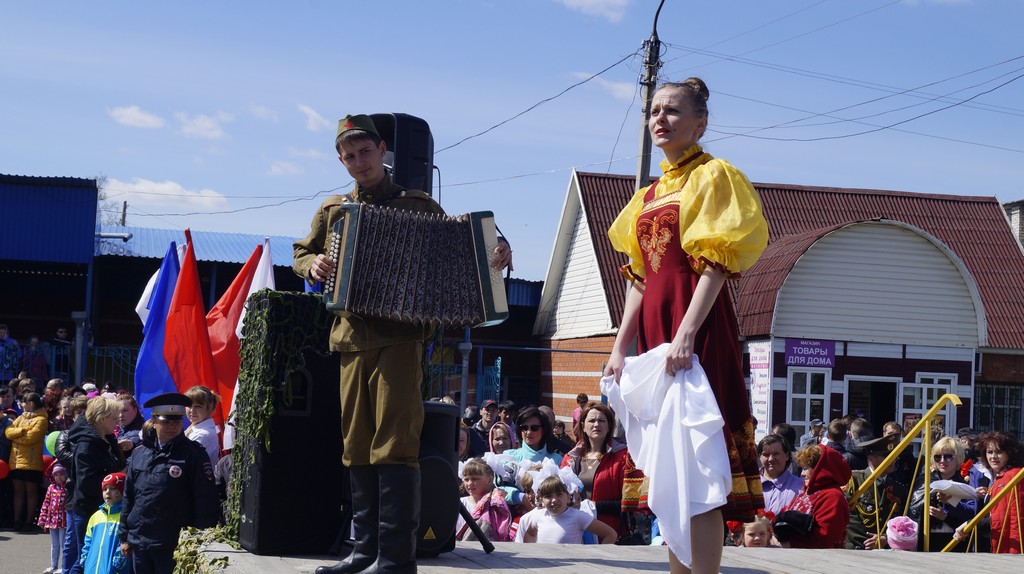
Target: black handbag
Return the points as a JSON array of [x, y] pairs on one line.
[[792, 523]]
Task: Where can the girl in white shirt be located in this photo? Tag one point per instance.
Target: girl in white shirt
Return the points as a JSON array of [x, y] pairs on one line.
[[555, 521], [202, 427]]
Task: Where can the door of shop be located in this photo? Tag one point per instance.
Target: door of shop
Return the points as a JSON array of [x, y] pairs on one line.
[[872, 399]]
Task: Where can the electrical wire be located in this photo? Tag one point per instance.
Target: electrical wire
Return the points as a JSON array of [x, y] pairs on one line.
[[252, 207], [862, 83], [538, 104], [622, 126], [880, 128]]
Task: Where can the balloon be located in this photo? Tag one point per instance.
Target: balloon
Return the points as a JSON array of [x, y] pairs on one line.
[[47, 461], [5, 469], [51, 443]]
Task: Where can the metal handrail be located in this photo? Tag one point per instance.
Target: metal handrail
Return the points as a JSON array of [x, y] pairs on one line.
[[922, 425]]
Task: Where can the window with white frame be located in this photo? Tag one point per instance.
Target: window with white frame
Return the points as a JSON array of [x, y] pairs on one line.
[[808, 398]]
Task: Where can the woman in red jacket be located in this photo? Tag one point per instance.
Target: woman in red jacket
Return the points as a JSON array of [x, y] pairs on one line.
[[821, 505], [1001, 454], [602, 463]]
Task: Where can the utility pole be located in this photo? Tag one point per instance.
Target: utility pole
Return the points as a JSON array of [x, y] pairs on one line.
[[649, 83], [124, 212]]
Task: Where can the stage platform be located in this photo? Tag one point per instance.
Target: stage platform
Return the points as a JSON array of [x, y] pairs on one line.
[[510, 558]]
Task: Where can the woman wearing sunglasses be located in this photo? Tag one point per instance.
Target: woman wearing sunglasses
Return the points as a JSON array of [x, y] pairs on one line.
[[535, 433], [947, 457]]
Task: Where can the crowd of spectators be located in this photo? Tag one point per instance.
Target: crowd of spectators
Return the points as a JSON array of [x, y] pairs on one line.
[[825, 493], [62, 454], [526, 476]]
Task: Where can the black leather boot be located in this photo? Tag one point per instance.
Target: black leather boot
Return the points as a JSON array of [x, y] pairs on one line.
[[399, 519], [365, 513]]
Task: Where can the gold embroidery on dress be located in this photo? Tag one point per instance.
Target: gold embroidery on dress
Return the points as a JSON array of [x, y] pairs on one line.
[[658, 202], [654, 235]]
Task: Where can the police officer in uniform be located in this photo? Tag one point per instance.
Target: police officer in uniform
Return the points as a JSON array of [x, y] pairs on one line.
[[170, 485], [880, 502]]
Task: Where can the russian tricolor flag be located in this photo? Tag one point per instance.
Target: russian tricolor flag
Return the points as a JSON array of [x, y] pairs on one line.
[[182, 345]]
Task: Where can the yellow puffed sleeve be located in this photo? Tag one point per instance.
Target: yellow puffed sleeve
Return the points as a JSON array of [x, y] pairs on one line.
[[721, 222], [622, 234]]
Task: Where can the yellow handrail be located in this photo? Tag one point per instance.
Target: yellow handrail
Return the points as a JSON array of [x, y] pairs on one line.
[[907, 440], [922, 425], [972, 523]]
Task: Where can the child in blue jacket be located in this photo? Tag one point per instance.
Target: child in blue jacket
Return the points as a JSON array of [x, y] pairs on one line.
[[101, 552]]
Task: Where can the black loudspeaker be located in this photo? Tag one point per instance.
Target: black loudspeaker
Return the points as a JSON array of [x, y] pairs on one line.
[[292, 502], [439, 463], [409, 138]]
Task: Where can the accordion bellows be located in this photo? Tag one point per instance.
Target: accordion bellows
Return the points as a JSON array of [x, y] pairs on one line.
[[417, 268]]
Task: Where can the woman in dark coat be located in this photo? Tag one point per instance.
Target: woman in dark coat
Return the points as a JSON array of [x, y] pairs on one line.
[[96, 455]]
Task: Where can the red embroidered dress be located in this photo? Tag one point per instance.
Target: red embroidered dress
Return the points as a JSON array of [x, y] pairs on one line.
[[702, 212]]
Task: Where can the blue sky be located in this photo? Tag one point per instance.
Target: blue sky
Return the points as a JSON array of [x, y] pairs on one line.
[[226, 111]]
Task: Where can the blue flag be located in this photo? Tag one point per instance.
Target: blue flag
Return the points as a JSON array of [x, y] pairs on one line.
[[152, 376]]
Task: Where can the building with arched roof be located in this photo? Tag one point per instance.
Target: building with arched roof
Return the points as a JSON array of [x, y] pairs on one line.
[[866, 302]]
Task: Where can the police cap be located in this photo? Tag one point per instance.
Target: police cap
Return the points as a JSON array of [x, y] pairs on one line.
[[168, 406]]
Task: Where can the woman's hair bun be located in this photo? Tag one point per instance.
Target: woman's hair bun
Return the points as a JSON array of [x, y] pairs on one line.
[[699, 87]]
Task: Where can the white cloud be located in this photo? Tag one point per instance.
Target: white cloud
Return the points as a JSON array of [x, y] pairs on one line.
[[619, 90], [314, 121], [611, 10], [284, 168], [202, 126], [309, 153], [145, 193], [263, 112], [134, 117]]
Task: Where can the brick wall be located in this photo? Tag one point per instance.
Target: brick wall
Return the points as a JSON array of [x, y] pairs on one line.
[[565, 375], [998, 368]]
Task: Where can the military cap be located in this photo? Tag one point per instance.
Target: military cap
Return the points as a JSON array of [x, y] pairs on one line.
[[881, 445], [168, 406], [357, 122], [817, 423], [967, 432]]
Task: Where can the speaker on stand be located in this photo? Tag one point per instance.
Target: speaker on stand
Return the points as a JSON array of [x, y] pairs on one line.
[[412, 144]]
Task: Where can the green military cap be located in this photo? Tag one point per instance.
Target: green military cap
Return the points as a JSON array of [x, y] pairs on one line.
[[357, 122], [881, 445]]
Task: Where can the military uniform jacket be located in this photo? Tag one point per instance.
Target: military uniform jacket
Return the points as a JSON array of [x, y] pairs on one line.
[[167, 489], [353, 333], [868, 515]]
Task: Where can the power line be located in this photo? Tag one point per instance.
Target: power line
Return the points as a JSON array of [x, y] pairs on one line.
[[809, 32], [252, 207], [880, 128], [544, 101], [862, 83]]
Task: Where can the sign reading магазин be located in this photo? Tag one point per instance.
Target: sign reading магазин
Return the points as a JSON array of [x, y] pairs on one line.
[[810, 353]]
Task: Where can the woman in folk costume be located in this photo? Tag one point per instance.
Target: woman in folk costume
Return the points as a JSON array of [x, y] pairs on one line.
[[698, 226]]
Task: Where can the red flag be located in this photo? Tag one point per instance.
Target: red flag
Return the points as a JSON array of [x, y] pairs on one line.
[[187, 344], [220, 323]]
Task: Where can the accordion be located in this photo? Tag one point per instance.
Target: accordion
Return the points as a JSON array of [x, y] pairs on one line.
[[417, 268]]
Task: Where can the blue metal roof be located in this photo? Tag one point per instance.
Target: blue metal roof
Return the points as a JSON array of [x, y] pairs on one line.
[[524, 293], [47, 219], [152, 243]]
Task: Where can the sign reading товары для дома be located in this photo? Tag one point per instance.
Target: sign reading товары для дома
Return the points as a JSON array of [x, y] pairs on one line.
[[810, 353]]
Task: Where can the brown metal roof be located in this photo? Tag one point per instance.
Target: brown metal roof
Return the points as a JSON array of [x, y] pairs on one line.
[[974, 228], [603, 196]]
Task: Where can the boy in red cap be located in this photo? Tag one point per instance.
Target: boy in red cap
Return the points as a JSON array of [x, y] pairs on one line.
[[101, 552]]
